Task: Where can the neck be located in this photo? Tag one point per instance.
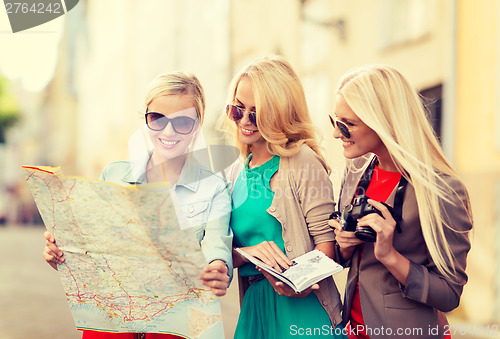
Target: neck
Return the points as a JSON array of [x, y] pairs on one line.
[[260, 154], [385, 163], [168, 170]]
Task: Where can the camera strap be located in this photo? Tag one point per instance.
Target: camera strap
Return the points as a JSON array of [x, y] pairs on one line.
[[397, 210]]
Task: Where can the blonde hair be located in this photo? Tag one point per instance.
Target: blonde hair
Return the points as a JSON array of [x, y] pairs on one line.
[[178, 83], [385, 101], [283, 118]]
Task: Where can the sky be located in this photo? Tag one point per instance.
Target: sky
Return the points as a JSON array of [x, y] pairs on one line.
[[29, 57]]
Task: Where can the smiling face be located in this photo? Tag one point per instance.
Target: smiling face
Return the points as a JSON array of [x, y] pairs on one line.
[[363, 139], [169, 144], [248, 133]]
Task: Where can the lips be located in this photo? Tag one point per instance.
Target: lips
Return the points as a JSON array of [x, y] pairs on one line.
[[247, 132], [347, 143], [169, 143]]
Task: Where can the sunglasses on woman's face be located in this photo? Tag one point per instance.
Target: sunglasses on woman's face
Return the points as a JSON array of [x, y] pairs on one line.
[[341, 126], [236, 113], [181, 124]]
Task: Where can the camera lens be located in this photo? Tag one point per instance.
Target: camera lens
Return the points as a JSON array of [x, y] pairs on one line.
[[365, 233]]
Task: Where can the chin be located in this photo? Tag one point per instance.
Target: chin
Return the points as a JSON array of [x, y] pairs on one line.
[[248, 140], [352, 155], [171, 154]]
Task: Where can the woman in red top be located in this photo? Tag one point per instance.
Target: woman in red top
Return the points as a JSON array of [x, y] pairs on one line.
[[412, 269]]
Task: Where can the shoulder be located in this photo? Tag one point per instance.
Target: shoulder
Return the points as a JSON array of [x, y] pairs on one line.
[[306, 157], [305, 168], [452, 183], [455, 191], [234, 170], [210, 182], [213, 178], [305, 152]]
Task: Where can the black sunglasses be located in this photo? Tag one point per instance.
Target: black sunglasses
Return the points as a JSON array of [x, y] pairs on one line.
[[236, 113], [181, 124], [342, 127]]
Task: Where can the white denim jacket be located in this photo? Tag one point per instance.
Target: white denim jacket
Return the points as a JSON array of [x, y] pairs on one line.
[[201, 198]]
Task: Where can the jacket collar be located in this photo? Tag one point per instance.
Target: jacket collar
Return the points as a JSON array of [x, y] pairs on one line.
[[352, 179], [190, 175], [136, 173]]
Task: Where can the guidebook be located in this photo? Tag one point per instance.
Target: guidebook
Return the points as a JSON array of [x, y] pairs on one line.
[[305, 271]]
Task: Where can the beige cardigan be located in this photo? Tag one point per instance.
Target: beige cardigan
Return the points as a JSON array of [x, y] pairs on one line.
[[302, 203]]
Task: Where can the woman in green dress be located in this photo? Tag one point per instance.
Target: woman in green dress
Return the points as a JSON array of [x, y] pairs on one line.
[[282, 200]]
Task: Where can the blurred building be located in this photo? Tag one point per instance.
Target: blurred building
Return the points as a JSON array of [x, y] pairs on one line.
[[449, 49]]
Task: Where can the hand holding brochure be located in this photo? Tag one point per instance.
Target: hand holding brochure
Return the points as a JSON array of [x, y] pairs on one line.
[[306, 270]]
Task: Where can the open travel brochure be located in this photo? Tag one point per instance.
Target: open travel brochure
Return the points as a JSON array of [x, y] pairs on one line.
[[306, 270]]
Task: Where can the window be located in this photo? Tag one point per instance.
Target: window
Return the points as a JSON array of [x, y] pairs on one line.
[[405, 20]]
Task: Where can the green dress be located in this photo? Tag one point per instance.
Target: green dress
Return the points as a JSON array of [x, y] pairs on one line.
[[264, 313]]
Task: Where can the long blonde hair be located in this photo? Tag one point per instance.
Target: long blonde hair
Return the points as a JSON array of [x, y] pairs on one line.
[[385, 101], [282, 115]]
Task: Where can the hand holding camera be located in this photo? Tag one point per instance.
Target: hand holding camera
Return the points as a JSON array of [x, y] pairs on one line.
[[357, 210]]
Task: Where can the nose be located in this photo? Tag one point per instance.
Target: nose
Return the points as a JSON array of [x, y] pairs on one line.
[[169, 129], [246, 118], [336, 132]]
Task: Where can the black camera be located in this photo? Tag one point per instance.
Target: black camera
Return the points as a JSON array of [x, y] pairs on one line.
[[350, 215]]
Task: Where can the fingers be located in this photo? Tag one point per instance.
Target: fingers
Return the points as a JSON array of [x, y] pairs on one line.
[[52, 249], [271, 254], [384, 223], [51, 253], [280, 257], [334, 223], [346, 239], [313, 287], [217, 265], [382, 208], [215, 277], [55, 256], [384, 226], [51, 258], [285, 290], [217, 282], [279, 287], [49, 237]]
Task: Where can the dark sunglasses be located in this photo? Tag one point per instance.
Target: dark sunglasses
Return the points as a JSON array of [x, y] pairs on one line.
[[236, 113], [181, 124], [342, 127]]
